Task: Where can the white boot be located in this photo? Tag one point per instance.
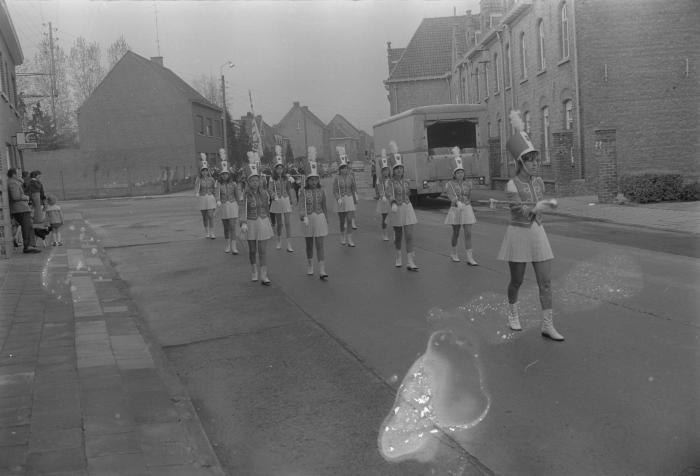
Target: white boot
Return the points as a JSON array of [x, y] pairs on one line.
[[254, 274], [411, 265], [385, 235], [227, 249], [470, 258], [279, 243], [350, 242], [454, 255], [322, 270], [211, 233], [234, 246], [343, 240], [513, 317], [289, 246], [263, 276], [310, 267], [398, 259], [548, 329]]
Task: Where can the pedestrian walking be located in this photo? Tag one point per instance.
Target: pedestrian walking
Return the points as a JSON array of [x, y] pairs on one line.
[[402, 215], [228, 196], [373, 172], [461, 214], [345, 193], [525, 240], [255, 222], [55, 219], [312, 212], [20, 211], [282, 192], [383, 205], [205, 188]]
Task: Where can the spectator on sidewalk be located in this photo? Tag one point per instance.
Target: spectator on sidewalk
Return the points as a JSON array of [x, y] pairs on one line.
[[20, 211], [373, 170], [37, 196], [55, 218]]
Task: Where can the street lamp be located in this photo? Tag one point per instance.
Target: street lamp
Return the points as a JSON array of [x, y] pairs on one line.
[[223, 96]]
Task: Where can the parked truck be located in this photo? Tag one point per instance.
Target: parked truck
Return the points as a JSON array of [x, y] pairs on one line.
[[425, 137]]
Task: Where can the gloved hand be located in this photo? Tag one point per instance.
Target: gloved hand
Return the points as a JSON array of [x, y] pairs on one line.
[[394, 207], [460, 205], [384, 199], [244, 227], [306, 221], [218, 204], [340, 202]]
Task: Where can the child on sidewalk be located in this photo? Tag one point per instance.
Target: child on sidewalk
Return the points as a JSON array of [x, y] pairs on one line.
[[55, 218]]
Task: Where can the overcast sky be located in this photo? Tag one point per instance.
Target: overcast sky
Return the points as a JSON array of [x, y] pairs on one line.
[[329, 55]]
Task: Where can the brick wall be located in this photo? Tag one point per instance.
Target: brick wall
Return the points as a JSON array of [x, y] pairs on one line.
[[633, 78], [407, 95], [605, 152]]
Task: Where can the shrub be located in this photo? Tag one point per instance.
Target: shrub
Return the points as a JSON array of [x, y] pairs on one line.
[[690, 192], [646, 188]]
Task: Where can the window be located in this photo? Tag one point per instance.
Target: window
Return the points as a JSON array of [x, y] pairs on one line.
[[568, 114], [217, 128], [200, 124], [495, 72], [210, 127], [564, 32], [464, 90], [526, 120], [540, 44], [506, 73], [523, 56], [476, 85], [545, 133], [486, 80]]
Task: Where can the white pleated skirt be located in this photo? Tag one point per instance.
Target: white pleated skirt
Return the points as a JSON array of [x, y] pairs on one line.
[[463, 216], [383, 206], [259, 230], [347, 204], [318, 225], [281, 205], [229, 210], [525, 245], [207, 202], [403, 216]]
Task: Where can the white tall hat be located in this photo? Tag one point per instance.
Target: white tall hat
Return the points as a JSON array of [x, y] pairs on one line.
[[203, 161], [382, 161], [395, 156], [457, 160], [252, 168], [311, 166], [519, 144], [224, 162], [342, 157], [278, 156]]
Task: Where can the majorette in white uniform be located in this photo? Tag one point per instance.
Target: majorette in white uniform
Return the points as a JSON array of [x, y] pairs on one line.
[[402, 215], [228, 195], [525, 240], [255, 220], [460, 214], [345, 193], [205, 189], [281, 191], [383, 205], [312, 212]]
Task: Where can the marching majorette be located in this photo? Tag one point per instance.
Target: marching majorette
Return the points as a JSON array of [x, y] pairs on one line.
[[255, 222], [228, 197], [525, 240], [205, 188], [402, 216], [461, 214], [383, 205], [345, 193], [281, 189], [312, 212]]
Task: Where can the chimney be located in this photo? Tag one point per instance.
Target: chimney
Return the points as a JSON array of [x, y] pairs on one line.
[[157, 60]]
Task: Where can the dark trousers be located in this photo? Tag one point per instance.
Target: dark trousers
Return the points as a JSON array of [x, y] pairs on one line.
[[25, 221]]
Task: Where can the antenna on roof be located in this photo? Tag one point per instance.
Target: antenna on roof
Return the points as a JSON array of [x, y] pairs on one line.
[[155, 5]]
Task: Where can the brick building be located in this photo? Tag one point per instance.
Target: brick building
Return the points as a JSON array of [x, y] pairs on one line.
[[304, 129], [270, 136], [343, 133], [574, 67], [10, 124], [143, 118]]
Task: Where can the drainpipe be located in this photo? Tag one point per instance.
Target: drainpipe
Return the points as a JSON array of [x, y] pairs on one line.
[[505, 103], [579, 125]]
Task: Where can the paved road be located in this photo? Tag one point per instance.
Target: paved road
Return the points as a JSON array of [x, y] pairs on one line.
[[297, 379]]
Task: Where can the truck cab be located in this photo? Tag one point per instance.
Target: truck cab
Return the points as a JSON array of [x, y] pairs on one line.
[[425, 137]]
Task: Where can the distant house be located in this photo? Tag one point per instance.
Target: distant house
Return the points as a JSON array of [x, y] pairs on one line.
[[344, 134], [270, 136], [142, 116], [304, 129]]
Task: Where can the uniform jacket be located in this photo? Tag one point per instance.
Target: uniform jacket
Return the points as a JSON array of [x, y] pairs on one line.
[[279, 188], [19, 202], [459, 191], [205, 186], [257, 204], [344, 186], [228, 192], [312, 201], [519, 191], [398, 191]]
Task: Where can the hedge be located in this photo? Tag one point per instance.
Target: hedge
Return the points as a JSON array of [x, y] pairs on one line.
[[646, 188]]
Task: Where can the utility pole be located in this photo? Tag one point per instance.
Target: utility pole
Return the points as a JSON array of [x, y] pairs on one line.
[[53, 79]]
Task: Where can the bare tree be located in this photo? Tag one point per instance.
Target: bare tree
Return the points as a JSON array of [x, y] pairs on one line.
[[86, 69], [116, 50], [209, 87]]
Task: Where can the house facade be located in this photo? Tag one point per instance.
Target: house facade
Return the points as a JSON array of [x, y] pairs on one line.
[[270, 136], [583, 73], [303, 129], [10, 123], [145, 119], [344, 134]]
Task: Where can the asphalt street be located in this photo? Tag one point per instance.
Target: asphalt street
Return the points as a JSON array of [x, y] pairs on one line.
[[298, 378]]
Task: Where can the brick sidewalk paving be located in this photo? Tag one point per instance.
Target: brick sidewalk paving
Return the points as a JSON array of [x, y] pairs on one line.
[[82, 391]]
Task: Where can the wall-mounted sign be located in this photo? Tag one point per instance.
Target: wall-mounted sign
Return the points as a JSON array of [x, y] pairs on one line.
[[26, 140]]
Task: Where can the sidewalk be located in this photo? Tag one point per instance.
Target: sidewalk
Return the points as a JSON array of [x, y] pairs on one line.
[[668, 216], [83, 388]]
